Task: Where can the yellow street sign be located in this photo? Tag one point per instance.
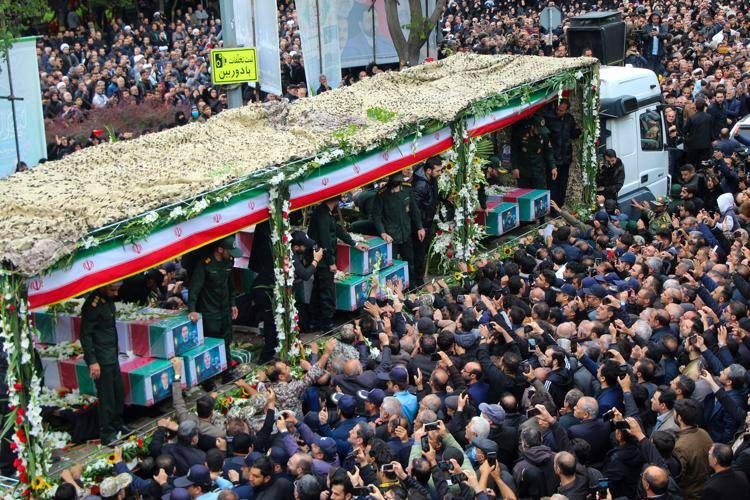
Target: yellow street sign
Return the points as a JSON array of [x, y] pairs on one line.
[[238, 65]]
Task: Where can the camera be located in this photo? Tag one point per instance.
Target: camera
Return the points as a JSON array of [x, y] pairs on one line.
[[609, 415], [492, 458], [431, 426], [363, 491], [622, 425], [316, 247], [434, 357], [425, 443], [444, 465], [533, 412]]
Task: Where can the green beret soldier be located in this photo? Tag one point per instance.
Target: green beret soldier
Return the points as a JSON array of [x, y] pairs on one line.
[[100, 352]]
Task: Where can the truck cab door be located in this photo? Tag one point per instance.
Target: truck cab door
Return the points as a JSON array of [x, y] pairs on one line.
[[653, 157], [620, 135]]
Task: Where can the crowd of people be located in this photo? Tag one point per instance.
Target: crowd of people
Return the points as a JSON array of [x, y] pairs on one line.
[[602, 358], [607, 359], [153, 59]]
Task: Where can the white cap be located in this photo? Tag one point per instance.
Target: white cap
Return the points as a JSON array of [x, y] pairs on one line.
[[147, 66], [137, 58], [126, 28], [293, 53], [196, 32], [64, 46], [290, 22]]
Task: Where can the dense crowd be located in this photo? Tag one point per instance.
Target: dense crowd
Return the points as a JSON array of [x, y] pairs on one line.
[[164, 62], [606, 359]]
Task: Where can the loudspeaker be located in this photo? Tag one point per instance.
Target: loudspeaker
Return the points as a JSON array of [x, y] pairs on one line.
[[602, 32]]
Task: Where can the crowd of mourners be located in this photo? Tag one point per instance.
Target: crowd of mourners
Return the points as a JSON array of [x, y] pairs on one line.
[[606, 358], [164, 61]]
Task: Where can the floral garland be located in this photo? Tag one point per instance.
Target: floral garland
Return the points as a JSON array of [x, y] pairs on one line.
[[72, 400], [30, 441], [590, 129], [457, 240], [284, 308], [104, 464], [63, 350]]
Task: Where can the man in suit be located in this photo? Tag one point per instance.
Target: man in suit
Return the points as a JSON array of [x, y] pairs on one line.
[[724, 482], [724, 408], [698, 134], [354, 379], [662, 403], [591, 429]]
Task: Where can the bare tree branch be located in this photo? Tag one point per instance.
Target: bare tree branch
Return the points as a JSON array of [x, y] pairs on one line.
[[394, 28]]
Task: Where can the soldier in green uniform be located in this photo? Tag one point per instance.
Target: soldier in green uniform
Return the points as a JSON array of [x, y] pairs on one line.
[[396, 217], [99, 342], [658, 217], [211, 293], [532, 157], [325, 230]]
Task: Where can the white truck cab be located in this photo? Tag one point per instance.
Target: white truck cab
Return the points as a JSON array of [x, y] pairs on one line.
[[632, 124]]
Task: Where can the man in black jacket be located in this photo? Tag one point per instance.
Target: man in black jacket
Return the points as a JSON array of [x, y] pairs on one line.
[[424, 187], [592, 429], [504, 435], [718, 112], [725, 482], [563, 130], [698, 134], [423, 360], [268, 485], [184, 451], [624, 463]]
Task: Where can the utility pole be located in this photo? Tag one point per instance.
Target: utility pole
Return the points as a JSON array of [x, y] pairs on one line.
[[229, 37], [320, 42], [12, 98], [372, 10]]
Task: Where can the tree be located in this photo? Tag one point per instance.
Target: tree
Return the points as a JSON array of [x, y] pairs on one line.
[[15, 17], [419, 28]]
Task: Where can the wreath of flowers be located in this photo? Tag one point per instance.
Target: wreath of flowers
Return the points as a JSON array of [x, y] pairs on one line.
[[30, 441], [104, 465]]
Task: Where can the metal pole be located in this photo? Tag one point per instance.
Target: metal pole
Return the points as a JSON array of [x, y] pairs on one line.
[[320, 42], [229, 36], [12, 98], [374, 59], [255, 43]]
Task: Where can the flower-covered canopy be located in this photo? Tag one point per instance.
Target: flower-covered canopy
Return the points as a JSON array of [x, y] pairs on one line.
[[48, 212]]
